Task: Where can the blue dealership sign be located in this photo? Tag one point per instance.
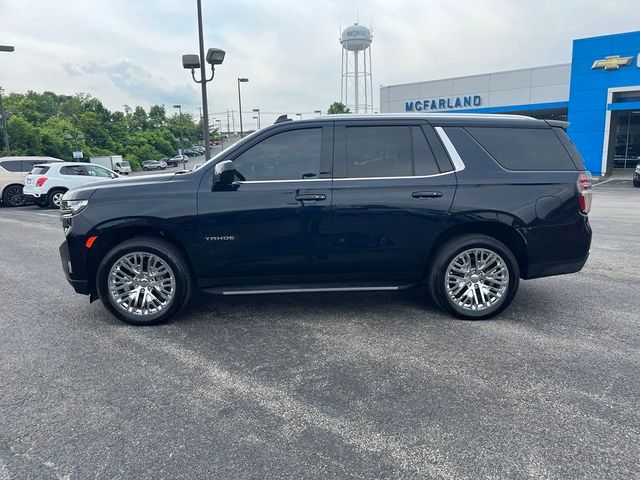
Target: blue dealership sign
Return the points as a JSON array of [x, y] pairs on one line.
[[446, 103]]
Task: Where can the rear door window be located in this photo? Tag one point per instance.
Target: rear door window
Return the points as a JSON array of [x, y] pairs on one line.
[[96, 171], [523, 148], [382, 151], [72, 170]]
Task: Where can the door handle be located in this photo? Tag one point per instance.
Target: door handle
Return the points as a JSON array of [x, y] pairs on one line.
[[426, 194], [311, 197]]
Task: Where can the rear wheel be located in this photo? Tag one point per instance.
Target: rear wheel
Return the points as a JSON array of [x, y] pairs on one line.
[[55, 198], [144, 281], [12, 196], [474, 277], [636, 183]]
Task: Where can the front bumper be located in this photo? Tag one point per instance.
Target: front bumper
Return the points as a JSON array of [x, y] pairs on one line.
[[79, 285]]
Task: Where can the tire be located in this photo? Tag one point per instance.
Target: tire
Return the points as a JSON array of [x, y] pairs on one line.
[[55, 197], [12, 196], [449, 290], [176, 279], [636, 183], [145, 168]]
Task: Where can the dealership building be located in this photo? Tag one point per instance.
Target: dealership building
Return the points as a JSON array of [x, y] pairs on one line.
[[598, 93]]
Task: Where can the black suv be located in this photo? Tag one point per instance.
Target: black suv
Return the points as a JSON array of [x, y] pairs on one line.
[[466, 204]]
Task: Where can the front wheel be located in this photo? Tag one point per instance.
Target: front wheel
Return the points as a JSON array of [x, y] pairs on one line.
[[474, 277], [636, 183], [144, 281]]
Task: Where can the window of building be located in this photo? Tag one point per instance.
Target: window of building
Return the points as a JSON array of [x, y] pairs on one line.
[[523, 148], [291, 155]]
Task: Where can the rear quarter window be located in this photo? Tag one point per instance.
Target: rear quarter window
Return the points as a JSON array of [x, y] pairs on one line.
[[11, 165], [39, 170], [523, 148]]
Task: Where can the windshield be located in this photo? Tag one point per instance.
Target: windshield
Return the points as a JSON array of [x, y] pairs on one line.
[[217, 157], [124, 164]]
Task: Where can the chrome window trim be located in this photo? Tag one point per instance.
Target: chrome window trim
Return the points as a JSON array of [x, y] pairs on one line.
[[347, 178], [458, 164]]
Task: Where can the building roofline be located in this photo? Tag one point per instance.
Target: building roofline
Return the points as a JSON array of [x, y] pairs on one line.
[[478, 75]]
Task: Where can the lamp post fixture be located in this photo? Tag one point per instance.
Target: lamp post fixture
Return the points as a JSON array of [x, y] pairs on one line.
[[214, 57], [257, 111], [241, 80], [299, 115], [319, 112], [5, 48]]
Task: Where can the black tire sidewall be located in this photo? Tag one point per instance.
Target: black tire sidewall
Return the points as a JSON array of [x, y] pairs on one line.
[[164, 250], [455, 247], [5, 196], [50, 197]]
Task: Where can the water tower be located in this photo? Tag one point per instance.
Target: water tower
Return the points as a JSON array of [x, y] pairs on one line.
[[356, 69]]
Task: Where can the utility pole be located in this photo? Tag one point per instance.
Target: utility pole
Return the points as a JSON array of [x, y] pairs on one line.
[[228, 122], [4, 125]]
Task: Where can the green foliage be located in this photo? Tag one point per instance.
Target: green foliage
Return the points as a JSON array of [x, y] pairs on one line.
[[55, 125], [338, 107]]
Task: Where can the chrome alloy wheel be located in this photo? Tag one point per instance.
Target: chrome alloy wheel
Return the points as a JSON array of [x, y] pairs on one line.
[[476, 279], [142, 283]]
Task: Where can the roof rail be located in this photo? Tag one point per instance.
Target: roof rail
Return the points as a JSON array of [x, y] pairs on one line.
[[558, 124]]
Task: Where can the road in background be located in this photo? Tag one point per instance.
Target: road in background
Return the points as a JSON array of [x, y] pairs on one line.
[[363, 385]]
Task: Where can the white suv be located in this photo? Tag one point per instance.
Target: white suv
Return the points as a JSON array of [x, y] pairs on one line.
[[47, 183], [12, 174]]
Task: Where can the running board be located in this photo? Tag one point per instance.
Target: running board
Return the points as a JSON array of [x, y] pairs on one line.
[[259, 290]]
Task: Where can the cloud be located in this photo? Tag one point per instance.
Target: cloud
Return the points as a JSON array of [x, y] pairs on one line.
[[124, 51], [136, 81]]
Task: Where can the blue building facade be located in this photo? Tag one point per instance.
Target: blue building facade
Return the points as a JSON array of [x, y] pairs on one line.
[[598, 93]]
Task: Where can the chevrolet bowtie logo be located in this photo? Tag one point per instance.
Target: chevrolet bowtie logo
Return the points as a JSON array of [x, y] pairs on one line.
[[612, 63]]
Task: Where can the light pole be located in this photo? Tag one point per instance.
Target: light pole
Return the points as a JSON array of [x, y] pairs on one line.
[[219, 123], [241, 80], [5, 48], [255, 117], [299, 115], [179, 107], [257, 110], [214, 57], [4, 125]]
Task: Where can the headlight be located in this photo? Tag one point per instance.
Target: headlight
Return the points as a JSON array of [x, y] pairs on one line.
[[73, 207]]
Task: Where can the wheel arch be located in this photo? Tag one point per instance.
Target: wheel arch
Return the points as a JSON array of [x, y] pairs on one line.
[[111, 235], [500, 231]]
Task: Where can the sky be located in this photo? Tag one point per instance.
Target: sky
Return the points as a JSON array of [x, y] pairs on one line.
[[129, 51]]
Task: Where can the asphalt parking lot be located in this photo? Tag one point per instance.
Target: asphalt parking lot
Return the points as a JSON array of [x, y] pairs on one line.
[[324, 386]]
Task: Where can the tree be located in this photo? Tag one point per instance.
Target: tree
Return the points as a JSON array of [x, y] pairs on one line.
[[138, 119], [337, 107], [157, 116]]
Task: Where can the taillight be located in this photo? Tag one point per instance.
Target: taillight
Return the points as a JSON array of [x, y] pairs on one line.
[[584, 191], [41, 181]]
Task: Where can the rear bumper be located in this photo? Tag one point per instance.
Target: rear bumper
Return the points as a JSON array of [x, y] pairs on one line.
[[555, 268], [79, 285], [558, 250]]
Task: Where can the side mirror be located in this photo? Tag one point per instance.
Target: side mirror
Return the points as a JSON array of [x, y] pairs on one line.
[[223, 174]]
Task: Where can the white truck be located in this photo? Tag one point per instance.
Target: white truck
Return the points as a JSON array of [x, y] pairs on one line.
[[113, 162]]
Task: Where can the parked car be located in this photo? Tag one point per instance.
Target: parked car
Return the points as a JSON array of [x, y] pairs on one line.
[[189, 152], [12, 176], [636, 176], [154, 165], [48, 182], [466, 204], [177, 160]]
